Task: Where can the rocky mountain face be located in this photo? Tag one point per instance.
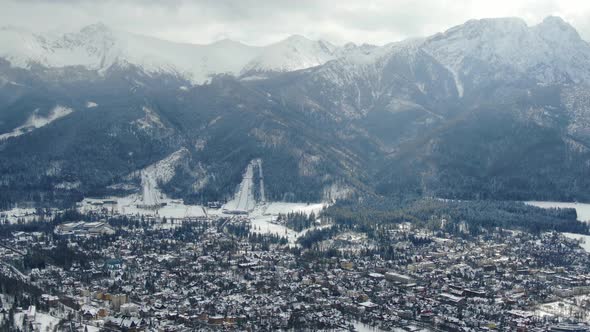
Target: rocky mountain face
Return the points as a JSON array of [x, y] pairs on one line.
[[492, 108]]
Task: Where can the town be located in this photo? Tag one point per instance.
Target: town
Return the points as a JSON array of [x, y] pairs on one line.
[[99, 271]]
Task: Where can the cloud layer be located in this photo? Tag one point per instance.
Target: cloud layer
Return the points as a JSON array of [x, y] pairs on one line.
[[260, 22]]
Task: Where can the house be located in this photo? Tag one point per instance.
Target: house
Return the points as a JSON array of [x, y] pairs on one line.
[[129, 324], [89, 312], [31, 313], [452, 299], [129, 309], [396, 277]]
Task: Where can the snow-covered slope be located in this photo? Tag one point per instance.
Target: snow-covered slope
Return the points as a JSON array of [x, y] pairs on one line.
[[396, 74], [160, 173], [293, 53], [474, 53], [37, 121], [98, 47], [244, 199], [550, 52]]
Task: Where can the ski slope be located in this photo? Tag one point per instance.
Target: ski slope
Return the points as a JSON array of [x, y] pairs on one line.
[[244, 200]]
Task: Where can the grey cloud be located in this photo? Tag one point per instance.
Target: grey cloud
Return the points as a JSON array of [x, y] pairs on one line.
[[264, 21]]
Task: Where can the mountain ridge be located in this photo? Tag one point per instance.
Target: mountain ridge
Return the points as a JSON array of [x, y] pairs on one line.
[[488, 109], [97, 47]]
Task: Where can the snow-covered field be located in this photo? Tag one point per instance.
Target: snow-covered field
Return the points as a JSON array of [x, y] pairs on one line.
[[274, 208], [362, 327], [12, 216], [584, 240], [264, 225], [129, 205], [261, 216], [261, 213], [582, 209], [43, 322], [565, 309]]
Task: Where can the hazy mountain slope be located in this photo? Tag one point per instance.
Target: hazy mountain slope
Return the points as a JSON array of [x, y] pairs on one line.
[[136, 121], [481, 52], [293, 53], [97, 47], [488, 109]]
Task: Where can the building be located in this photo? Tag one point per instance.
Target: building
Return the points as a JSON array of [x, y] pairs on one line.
[[396, 277], [82, 228]]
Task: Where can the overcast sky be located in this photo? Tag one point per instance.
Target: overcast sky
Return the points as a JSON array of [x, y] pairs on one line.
[[260, 22]]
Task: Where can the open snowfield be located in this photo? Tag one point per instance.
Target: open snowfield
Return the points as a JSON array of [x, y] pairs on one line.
[[18, 320], [12, 216], [43, 322], [128, 205], [275, 208], [584, 240], [263, 215], [264, 225], [566, 308], [582, 209]]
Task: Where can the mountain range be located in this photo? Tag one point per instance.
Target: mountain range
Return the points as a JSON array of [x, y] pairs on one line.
[[490, 109]]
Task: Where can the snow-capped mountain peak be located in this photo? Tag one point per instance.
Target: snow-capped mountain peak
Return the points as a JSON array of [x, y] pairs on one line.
[[96, 28], [550, 51], [99, 47], [89, 47], [293, 53], [554, 29]]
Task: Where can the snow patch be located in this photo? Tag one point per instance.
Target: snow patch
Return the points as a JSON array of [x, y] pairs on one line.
[[36, 121], [68, 185], [14, 215], [582, 209], [458, 84], [150, 120], [583, 239], [133, 205], [336, 191]]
